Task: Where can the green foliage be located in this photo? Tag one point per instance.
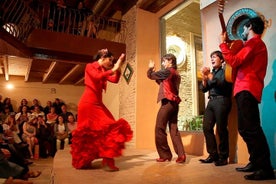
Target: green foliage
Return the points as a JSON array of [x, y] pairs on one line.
[[193, 124]]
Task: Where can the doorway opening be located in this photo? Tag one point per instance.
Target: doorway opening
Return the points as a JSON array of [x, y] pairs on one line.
[[181, 36]]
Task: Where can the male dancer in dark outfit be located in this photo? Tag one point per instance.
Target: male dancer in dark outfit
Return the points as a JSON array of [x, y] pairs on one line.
[[169, 81]]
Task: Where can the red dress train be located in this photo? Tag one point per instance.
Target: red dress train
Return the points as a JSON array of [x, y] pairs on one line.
[[98, 134]]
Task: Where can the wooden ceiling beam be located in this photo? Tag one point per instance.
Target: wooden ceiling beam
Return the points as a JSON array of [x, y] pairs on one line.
[[70, 73], [80, 82], [28, 71], [50, 71], [6, 67], [4, 35]]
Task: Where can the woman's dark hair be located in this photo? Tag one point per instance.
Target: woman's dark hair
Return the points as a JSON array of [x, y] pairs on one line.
[[257, 24], [218, 53], [103, 53], [172, 58]]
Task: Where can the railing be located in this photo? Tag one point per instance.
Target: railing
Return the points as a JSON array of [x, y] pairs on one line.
[[19, 19]]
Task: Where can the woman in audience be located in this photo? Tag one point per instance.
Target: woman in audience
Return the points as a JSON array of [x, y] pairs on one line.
[[29, 134], [23, 102], [11, 128], [61, 132], [7, 104], [7, 141], [37, 112], [22, 117], [5, 114], [52, 116]]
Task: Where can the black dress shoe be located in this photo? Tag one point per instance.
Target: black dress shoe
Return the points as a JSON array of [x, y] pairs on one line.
[[248, 168], [221, 162], [261, 175], [28, 162], [210, 159]]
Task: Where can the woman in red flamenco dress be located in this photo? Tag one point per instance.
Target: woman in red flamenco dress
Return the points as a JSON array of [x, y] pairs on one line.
[[98, 134]]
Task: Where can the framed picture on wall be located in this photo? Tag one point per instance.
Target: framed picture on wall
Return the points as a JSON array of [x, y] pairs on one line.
[[128, 72]]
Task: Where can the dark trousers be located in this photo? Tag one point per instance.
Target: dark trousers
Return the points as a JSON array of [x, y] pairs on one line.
[[249, 126], [217, 112], [167, 115]]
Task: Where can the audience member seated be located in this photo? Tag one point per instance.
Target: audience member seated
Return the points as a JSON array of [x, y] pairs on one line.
[[72, 124], [61, 132], [17, 153], [15, 170], [52, 116], [29, 134], [57, 104], [32, 133], [1, 105], [44, 138], [23, 102], [7, 104], [22, 117], [64, 113], [51, 121], [11, 129], [4, 115], [35, 103], [47, 108], [37, 112]]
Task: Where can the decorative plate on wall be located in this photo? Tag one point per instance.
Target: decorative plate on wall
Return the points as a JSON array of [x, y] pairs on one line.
[[176, 46], [236, 22]]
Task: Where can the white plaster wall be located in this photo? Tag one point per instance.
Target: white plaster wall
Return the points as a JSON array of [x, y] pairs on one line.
[[211, 30], [68, 93]]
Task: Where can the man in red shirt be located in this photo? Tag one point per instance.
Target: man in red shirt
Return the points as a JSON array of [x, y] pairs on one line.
[[250, 63]]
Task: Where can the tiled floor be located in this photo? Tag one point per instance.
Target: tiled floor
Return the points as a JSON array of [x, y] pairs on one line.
[[140, 167], [44, 165]]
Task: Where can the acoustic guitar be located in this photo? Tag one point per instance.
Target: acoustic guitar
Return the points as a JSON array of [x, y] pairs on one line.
[[234, 45]]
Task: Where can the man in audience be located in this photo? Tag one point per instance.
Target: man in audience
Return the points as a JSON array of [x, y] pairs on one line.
[[64, 113]]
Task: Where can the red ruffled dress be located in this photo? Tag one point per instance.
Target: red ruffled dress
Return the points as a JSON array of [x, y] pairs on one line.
[[98, 134]]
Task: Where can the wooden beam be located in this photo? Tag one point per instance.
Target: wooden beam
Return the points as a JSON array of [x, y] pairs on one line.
[[48, 74], [68, 47], [6, 67], [28, 71], [4, 35], [72, 71], [80, 81]]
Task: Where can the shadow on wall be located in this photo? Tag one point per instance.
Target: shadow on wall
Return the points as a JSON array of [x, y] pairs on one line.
[[268, 113]]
